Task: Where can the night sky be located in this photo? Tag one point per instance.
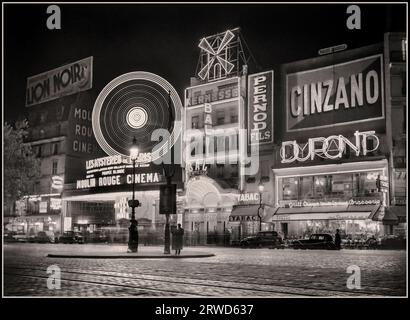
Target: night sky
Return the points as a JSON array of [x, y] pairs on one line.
[[163, 39]]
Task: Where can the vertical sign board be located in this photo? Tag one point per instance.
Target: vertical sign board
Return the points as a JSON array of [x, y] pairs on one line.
[[260, 108]]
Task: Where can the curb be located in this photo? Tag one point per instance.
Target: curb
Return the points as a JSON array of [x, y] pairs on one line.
[[124, 256]]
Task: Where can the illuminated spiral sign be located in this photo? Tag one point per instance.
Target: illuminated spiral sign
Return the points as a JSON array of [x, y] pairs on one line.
[[136, 104]]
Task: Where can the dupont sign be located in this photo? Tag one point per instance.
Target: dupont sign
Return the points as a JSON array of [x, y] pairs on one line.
[[340, 94]]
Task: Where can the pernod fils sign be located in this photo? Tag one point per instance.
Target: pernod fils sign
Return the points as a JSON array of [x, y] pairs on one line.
[[260, 110], [331, 147], [62, 81], [340, 94]]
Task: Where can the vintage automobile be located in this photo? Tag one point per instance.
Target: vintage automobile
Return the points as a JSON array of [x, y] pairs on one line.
[[45, 237], [262, 239], [70, 237], [315, 241], [97, 237]]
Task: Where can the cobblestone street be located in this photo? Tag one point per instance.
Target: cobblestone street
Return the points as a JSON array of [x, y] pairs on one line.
[[232, 272]]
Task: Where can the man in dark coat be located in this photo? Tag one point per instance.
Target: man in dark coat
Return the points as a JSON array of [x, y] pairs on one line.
[[338, 240], [178, 239]]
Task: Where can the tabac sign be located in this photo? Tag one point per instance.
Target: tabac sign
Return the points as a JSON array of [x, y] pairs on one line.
[[62, 81], [260, 108], [335, 95]]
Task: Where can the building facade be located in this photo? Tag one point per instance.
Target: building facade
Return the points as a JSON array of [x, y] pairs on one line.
[[335, 167]]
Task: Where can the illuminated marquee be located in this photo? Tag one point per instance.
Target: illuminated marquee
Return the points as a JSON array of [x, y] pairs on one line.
[[117, 170], [331, 147]]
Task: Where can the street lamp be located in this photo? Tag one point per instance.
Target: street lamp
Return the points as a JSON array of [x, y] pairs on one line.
[[133, 232], [169, 171], [261, 188]]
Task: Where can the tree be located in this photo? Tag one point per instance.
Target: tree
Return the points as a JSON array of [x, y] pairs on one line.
[[21, 167]]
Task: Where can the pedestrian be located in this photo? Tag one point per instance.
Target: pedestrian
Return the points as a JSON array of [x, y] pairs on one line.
[[338, 240], [178, 239], [133, 236]]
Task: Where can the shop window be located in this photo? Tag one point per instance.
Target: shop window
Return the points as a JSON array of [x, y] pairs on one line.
[[342, 186], [319, 187], [368, 183], [306, 188], [290, 187]]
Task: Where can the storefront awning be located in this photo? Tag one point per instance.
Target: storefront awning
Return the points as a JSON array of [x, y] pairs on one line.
[[392, 215], [244, 213], [348, 212]]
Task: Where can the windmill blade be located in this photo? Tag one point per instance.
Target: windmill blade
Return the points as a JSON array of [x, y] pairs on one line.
[[225, 64], [205, 70], [204, 45], [226, 39]]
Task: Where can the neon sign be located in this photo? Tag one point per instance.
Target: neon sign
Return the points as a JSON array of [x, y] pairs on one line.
[[331, 147], [216, 51]]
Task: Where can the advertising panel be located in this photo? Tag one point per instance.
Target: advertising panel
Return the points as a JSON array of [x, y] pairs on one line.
[[213, 92], [335, 95], [59, 82], [260, 108]]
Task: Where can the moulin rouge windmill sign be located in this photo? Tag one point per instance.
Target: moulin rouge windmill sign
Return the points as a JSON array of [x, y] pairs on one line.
[[218, 57]]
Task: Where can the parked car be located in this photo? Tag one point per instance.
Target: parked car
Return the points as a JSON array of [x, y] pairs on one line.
[[8, 236], [20, 237], [97, 237], [45, 237], [71, 237], [315, 241], [269, 239]]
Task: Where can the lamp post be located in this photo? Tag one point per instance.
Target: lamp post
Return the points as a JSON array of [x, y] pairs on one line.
[[261, 188], [132, 245], [169, 171]]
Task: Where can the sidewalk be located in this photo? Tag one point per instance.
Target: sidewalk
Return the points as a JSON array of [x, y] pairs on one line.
[[87, 251]]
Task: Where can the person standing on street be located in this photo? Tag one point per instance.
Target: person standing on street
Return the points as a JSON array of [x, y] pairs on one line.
[[133, 240], [179, 239], [338, 240]]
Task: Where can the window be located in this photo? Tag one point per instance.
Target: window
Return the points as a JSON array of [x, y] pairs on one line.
[[234, 116], [220, 170], [195, 122], [290, 188], [306, 188], [220, 117], [234, 172], [39, 151], [55, 167], [54, 148]]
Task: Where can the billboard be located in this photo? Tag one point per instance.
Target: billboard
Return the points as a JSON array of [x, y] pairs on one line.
[[335, 95], [59, 82], [260, 108]]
